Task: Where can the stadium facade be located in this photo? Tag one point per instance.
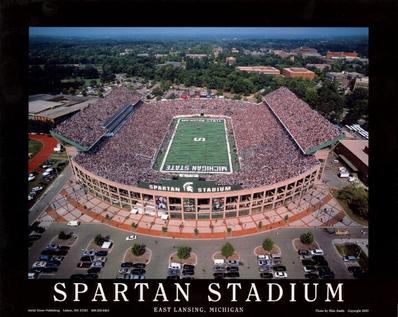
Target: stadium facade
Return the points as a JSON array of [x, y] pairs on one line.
[[277, 151]]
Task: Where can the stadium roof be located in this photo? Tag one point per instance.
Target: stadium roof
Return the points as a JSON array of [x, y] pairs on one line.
[[357, 148], [56, 106]]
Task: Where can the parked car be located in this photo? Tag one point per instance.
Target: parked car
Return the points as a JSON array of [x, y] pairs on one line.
[[86, 258], [309, 268], [280, 274], [138, 265], [34, 237], [83, 265], [64, 248], [49, 269], [89, 252], [353, 269], [264, 268], [137, 277], [279, 268], [37, 188], [173, 277], [232, 269], [218, 275], [126, 264], [232, 262], [100, 258], [187, 267], [188, 272], [73, 223], [91, 276], [125, 270], [263, 262], [317, 252], [77, 277], [138, 271], [350, 258], [311, 275], [132, 237], [97, 264], [94, 270], [101, 253], [326, 275], [60, 252], [39, 264], [38, 229], [308, 262], [266, 275], [123, 276], [303, 252], [232, 274], [33, 275], [218, 268]]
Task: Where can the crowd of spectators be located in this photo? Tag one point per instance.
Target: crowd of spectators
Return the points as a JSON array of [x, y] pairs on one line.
[[267, 153], [87, 126], [307, 126]]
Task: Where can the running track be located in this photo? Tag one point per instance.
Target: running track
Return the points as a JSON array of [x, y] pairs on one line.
[[48, 144]]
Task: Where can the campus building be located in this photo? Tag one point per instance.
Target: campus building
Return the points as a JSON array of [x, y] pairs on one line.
[[298, 72], [355, 154], [341, 55], [265, 70]]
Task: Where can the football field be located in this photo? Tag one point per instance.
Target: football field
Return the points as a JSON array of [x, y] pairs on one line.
[[198, 145]]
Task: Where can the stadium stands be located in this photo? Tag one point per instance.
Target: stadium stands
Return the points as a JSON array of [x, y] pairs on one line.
[[267, 153], [306, 126], [87, 127]]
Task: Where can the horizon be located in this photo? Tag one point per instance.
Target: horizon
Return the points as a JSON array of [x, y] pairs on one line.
[[173, 33]]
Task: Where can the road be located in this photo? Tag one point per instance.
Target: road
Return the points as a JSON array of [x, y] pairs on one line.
[[43, 201], [163, 247]]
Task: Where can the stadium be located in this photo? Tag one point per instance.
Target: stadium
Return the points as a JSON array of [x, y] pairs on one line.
[[199, 158]]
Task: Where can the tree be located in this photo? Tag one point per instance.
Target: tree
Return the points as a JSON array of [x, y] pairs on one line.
[[184, 252], [158, 92], [99, 239], [268, 244], [307, 238], [356, 198], [138, 249], [227, 250]]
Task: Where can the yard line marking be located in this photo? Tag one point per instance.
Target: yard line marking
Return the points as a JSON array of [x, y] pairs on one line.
[[169, 146], [228, 149]]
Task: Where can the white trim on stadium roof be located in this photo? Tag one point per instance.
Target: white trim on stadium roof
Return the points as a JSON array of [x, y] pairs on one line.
[[288, 131]]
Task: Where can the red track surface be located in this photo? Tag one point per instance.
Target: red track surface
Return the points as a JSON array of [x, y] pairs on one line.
[[48, 144]]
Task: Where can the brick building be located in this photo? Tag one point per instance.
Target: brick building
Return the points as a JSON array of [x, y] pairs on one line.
[[298, 72], [354, 153]]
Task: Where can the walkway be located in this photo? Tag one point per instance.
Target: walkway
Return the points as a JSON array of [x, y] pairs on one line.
[[314, 210], [48, 144]]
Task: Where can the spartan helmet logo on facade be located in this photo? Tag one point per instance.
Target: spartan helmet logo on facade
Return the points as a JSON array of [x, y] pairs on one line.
[[188, 187]]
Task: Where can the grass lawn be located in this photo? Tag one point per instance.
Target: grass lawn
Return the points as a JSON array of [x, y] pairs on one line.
[[350, 213], [34, 147], [351, 249]]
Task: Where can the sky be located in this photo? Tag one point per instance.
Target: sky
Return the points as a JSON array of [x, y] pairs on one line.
[[195, 32]]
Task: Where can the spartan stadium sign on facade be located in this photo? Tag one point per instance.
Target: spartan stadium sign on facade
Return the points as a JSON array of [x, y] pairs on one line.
[[198, 159]]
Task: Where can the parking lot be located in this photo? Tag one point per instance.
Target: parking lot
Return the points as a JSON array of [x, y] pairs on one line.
[[162, 248]]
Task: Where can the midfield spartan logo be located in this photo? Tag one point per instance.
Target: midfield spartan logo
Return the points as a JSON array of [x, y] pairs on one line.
[[188, 187]]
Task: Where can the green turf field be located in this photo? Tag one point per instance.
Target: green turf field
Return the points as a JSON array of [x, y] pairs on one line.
[[34, 147], [198, 145]]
